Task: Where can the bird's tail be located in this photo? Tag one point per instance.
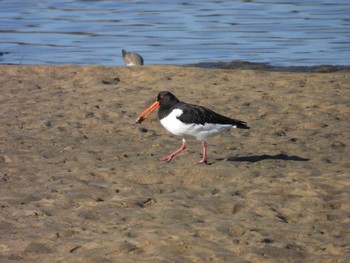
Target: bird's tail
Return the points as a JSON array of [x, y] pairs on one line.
[[242, 125]]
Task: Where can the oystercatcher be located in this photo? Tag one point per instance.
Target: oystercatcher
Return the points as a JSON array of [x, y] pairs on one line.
[[132, 58], [181, 118]]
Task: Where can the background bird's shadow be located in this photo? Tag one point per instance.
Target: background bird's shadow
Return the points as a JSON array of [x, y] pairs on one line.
[[258, 158]]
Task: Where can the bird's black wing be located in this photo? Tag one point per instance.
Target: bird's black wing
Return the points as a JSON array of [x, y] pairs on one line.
[[201, 115]]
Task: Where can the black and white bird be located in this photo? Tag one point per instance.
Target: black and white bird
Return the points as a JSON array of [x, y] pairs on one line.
[[132, 58], [183, 119]]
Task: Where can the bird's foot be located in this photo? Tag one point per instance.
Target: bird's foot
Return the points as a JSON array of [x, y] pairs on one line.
[[203, 161], [170, 156], [167, 158]]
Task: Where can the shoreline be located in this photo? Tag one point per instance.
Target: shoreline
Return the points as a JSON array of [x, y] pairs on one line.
[[246, 65], [235, 64]]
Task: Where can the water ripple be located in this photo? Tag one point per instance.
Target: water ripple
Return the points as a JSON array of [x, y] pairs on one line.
[[282, 33]]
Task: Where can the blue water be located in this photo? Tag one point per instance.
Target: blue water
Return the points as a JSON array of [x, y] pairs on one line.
[[282, 33]]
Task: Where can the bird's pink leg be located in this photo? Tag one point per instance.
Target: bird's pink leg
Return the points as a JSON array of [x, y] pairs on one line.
[[170, 156], [204, 159]]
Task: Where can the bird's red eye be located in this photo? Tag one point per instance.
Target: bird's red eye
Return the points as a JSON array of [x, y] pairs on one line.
[[161, 97]]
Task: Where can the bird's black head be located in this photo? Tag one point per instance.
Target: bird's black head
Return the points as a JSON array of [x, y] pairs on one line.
[[166, 99]]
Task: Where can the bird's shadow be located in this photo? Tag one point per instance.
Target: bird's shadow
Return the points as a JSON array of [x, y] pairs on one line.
[[258, 158]]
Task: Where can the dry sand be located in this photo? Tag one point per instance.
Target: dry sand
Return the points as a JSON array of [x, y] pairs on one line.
[[81, 182]]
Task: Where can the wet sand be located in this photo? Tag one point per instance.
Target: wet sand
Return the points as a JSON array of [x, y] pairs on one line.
[[81, 182]]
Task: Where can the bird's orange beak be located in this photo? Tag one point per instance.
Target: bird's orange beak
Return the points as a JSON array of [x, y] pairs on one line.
[[143, 115]]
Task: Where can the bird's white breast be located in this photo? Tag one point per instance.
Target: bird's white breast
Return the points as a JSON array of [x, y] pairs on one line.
[[130, 64], [201, 132], [172, 124]]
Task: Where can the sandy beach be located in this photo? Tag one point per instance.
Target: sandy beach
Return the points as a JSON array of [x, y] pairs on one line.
[[81, 182]]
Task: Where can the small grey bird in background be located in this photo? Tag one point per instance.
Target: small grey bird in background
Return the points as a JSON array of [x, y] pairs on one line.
[[132, 58]]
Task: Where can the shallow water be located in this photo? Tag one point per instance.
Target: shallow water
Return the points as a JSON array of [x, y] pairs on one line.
[[282, 33]]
